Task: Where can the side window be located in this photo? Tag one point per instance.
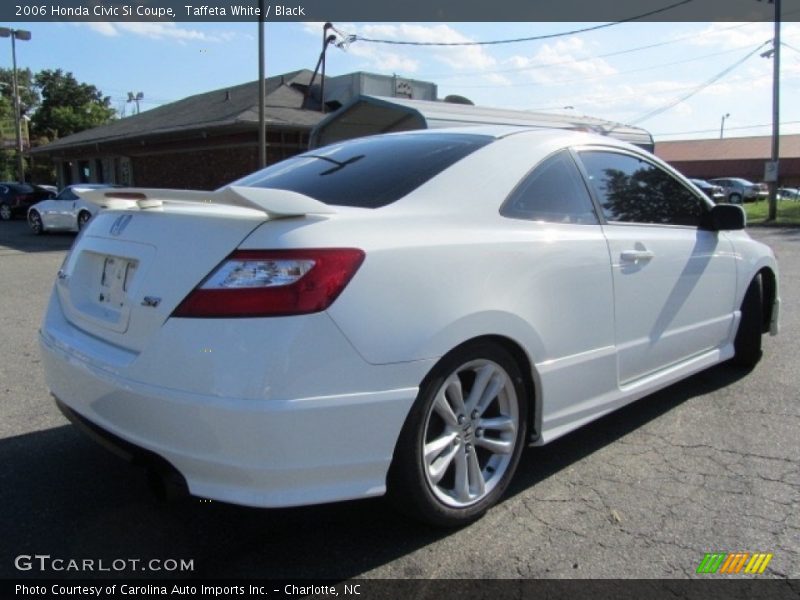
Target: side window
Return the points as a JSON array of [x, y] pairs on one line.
[[633, 190], [554, 192]]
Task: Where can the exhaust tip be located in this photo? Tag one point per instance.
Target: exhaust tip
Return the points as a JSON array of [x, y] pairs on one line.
[[166, 484]]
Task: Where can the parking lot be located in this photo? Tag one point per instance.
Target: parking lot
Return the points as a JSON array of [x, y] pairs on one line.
[[711, 464]]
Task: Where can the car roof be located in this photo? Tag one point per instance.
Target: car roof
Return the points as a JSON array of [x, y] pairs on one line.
[[538, 135]]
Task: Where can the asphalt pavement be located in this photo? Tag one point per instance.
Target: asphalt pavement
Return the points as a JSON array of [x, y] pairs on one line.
[[711, 464]]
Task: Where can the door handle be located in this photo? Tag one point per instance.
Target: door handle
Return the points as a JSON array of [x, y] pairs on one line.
[[636, 256]]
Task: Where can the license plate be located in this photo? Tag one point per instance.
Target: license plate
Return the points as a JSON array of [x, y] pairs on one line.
[[115, 279]]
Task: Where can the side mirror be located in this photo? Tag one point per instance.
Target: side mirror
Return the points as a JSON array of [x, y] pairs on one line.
[[724, 217]]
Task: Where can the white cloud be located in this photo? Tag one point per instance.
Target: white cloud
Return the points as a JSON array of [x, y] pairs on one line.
[[156, 31], [455, 57], [731, 35], [407, 58], [560, 61], [103, 28], [384, 61]]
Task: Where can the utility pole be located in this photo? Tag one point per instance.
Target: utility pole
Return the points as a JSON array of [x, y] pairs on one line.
[[16, 34], [776, 75], [262, 91]]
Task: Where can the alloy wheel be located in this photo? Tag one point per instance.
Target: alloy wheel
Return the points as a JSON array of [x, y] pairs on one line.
[[470, 433]]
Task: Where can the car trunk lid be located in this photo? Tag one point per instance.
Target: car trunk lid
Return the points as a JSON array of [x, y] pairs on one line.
[[137, 260]]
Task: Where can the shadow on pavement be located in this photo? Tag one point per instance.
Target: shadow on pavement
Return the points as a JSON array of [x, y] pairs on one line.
[[540, 463], [15, 235], [65, 496]]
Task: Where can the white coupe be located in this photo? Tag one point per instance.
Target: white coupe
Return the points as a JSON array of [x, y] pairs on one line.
[[397, 314], [66, 212]]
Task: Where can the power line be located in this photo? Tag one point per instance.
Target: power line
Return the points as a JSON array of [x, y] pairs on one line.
[[716, 129], [357, 38], [604, 76], [578, 100], [450, 75], [699, 88]]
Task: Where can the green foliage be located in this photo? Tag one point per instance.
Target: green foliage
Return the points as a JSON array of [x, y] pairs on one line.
[[28, 94], [57, 104], [68, 106]]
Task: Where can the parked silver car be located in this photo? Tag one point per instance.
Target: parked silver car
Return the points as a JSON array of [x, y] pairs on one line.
[[66, 212], [740, 190]]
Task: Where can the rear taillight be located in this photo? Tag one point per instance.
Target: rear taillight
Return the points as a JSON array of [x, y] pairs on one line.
[[271, 283]]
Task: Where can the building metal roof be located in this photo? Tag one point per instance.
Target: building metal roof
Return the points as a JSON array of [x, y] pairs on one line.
[[742, 148], [234, 107], [367, 115]]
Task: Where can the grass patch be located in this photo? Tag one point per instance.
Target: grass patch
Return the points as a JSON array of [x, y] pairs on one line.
[[788, 213]]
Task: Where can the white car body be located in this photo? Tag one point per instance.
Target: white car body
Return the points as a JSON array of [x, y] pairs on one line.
[[67, 211], [293, 410]]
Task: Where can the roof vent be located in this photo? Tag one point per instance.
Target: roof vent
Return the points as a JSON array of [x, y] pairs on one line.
[[456, 99], [227, 95]]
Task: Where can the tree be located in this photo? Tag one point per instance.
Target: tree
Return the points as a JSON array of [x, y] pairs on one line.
[[29, 98], [68, 106], [28, 94]]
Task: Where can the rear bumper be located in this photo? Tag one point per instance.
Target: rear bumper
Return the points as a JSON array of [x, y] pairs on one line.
[[266, 453], [123, 449]]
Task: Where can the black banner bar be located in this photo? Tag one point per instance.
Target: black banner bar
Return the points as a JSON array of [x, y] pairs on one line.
[[407, 10], [718, 588]]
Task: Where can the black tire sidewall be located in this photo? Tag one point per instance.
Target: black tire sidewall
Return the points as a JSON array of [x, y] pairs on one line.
[[747, 344], [39, 231], [407, 485], [83, 224]]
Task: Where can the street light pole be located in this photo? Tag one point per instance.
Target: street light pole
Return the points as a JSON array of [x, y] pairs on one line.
[[23, 35], [262, 92], [722, 124], [776, 74]]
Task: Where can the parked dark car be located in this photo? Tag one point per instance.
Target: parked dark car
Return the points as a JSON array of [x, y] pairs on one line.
[[17, 198], [714, 192]]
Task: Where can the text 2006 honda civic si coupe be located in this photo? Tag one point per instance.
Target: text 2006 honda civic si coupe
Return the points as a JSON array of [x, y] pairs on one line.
[[397, 314]]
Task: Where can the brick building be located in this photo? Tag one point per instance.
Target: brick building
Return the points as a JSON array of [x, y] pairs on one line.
[[210, 139], [200, 142], [733, 157]]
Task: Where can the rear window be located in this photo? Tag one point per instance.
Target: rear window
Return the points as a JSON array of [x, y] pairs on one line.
[[368, 172]]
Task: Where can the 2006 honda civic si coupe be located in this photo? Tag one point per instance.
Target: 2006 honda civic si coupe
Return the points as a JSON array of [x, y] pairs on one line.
[[397, 314]]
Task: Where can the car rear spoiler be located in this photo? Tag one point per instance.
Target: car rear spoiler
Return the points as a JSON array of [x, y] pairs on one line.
[[274, 203]]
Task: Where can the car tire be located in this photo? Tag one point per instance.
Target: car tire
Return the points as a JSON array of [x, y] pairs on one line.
[[6, 214], [83, 218], [735, 198], [35, 222], [747, 344], [463, 437]]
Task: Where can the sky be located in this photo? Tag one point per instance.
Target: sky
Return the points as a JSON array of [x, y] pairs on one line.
[[637, 73]]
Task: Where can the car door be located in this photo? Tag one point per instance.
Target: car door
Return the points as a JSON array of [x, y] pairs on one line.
[[674, 282], [60, 212]]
